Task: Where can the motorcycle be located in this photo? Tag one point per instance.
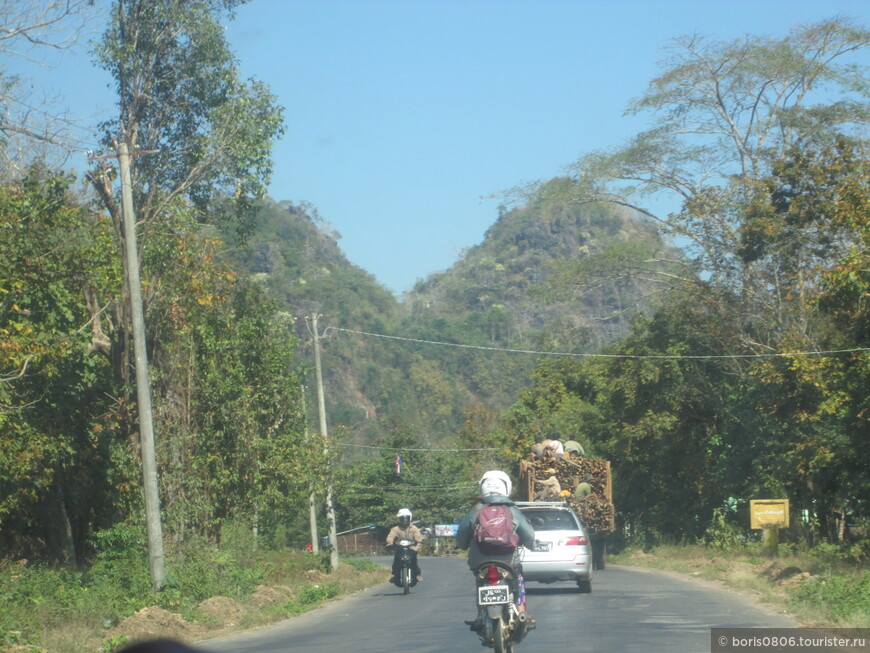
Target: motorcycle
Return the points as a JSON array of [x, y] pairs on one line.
[[501, 625], [406, 579]]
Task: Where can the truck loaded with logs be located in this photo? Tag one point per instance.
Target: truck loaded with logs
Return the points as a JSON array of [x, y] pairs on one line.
[[582, 483]]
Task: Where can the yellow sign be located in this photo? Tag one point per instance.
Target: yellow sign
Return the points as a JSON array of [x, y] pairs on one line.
[[768, 513]]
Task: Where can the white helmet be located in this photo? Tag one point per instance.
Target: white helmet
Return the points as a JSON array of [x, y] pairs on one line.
[[404, 516], [495, 482]]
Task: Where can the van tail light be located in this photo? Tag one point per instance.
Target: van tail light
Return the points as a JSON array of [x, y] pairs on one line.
[[493, 576], [578, 540]]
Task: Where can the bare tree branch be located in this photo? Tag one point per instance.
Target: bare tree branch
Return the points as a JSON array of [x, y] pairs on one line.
[[31, 127], [20, 373]]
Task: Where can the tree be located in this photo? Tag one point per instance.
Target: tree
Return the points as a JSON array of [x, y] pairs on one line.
[[30, 127], [818, 197], [237, 451], [692, 430], [208, 134], [730, 109], [734, 107], [727, 111], [56, 407], [437, 485], [659, 419], [200, 141]]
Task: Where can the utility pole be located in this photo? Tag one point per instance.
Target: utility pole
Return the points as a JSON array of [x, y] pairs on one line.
[[321, 409], [143, 384], [312, 508]]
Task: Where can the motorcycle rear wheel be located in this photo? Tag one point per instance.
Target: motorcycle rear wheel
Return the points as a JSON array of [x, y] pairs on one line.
[[501, 640]]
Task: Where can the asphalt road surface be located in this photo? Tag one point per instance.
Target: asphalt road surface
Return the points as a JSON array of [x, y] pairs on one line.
[[630, 610]]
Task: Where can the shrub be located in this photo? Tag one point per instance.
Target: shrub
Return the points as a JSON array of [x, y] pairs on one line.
[[316, 593], [118, 542], [38, 604], [362, 564], [844, 598]]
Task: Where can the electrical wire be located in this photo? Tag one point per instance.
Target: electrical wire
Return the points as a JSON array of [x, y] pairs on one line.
[[394, 448], [830, 352], [464, 486]]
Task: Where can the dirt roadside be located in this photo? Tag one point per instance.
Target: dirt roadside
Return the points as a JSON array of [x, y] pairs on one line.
[[770, 585]]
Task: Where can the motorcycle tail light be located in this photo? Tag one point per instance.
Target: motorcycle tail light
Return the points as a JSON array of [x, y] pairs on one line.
[[492, 575], [575, 541]]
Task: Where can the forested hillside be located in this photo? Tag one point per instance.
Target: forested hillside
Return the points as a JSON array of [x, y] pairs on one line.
[[503, 294], [515, 278]]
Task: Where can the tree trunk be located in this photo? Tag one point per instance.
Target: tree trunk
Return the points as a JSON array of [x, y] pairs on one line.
[[59, 532]]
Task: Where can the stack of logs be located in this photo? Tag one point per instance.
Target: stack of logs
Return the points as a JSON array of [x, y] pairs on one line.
[[596, 509]]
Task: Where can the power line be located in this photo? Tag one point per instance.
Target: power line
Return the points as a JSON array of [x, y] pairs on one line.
[[397, 488], [532, 352], [395, 448]]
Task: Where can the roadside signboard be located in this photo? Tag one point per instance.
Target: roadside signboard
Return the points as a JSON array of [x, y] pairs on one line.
[[446, 530], [768, 513]]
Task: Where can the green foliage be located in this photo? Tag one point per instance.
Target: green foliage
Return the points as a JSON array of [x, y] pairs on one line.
[[843, 599], [225, 395], [694, 124], [308, 597], [821, 191], [437, 486], [117, 542], [362, 564], [114, 643], [722, 533], [221, 364], [38, 599], [777, 268], [316, 593], [701, 131], [55, 416], [200, 571], [493, 297], [247, 422], [178, 90]]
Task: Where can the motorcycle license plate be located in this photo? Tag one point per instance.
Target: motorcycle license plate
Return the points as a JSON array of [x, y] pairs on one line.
[[493, 595]]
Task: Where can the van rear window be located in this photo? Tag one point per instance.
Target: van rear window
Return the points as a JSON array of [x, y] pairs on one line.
[[552, 520]]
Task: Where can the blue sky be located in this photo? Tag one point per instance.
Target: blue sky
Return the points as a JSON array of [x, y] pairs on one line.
[[406, 119]]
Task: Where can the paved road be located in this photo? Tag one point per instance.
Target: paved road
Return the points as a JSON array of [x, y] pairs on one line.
[[630, 610]]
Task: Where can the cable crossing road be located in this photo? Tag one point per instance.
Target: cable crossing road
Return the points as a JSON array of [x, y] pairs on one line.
[[630, 610]]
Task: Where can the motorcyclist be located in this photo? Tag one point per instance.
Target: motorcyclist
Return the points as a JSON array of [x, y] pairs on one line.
[[495, 488], [407, 531]]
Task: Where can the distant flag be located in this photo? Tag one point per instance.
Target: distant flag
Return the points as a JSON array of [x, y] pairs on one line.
[[399, 462]]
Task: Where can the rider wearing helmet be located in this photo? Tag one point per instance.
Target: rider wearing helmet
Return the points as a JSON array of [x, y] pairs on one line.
[[495, 488], [405, 530]]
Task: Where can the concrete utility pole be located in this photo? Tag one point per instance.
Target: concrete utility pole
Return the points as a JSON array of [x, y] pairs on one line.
[[312, 506], [143, 384], [321, 409]]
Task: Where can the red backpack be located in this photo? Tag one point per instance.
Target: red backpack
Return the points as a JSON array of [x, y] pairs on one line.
[[494, 531]]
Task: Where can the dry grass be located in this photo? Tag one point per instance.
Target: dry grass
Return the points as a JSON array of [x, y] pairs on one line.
[[219, 616]]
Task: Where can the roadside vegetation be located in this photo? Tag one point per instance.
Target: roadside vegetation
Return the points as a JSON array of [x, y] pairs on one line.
[[822, 586], [209, 591]]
